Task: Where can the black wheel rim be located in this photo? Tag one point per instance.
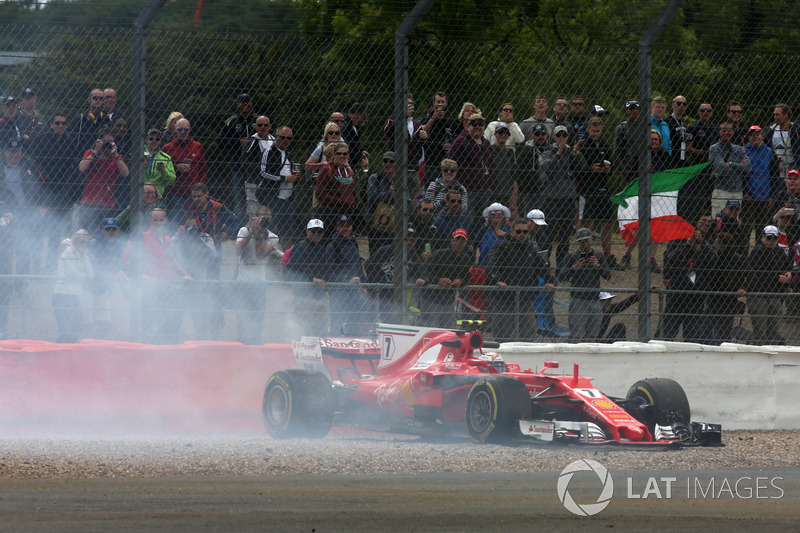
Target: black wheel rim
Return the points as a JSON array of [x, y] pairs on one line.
[[480, 416]]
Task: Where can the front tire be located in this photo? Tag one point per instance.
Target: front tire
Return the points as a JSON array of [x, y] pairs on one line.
[[667, 397], [298, 403], [494, 407]]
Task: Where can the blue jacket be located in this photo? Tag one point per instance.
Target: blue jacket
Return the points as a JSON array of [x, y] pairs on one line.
[[764, 170], [661, 126]]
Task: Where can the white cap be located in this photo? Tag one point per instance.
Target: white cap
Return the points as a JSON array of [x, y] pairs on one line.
[[771, 230], [537, 216], [497, 206], [606, 296], [315, 223], [559, 129]]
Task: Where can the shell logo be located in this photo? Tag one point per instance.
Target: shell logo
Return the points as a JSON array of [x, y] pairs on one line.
[[604, 404]]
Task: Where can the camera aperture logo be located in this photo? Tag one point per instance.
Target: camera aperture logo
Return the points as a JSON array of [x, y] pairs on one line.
[[586, 509]]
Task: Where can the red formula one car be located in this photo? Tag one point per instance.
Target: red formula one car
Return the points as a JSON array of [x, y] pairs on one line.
[[437, 382]]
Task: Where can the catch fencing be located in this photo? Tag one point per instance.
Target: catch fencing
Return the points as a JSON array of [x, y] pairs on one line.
[[300, 83]]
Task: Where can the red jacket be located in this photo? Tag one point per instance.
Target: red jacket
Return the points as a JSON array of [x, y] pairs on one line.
[[336, 189], [186, 151]]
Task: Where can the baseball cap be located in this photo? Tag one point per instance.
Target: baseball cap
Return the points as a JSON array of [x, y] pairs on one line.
[[632, 104], [597, 110], [605, 296], [28, 92], [9, 100], [410, 228], [754, 127], [733, 204], [539, 128], [537, 216], [793, 173], [315, 223], [109, 222], [244, 96], [559, 129], [771, 230], [390, 155], [343, 219], [13, 144], [460, 233], [583, 234]]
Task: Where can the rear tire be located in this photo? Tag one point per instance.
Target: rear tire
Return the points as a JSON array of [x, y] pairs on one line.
[[494, 407], [298, 403], [669, 401]]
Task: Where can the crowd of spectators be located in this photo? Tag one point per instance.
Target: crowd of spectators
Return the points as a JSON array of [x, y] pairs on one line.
[[468, 179]]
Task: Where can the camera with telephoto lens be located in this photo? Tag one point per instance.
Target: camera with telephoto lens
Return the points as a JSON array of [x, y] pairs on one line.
[[107, 144], [192, 231], [264, 223]]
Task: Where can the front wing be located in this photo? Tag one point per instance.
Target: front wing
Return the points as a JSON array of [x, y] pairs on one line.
[[676, 435]]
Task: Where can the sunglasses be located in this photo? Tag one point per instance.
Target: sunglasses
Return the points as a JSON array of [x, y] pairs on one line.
[[448, 170], [507, 110], [540, 134], [387, 161], [334, 133], [477, 123], [315, 230], [577, 103], [680, 104], [285, 137], [735, 112], [261, 125], [110, 229], [149, 138], [426, 210], [561, 104], [521, 232], [771, 237], [560, 134], [705, 110], [342, 153], [453, 201], [60, 122], [97, 97], [503, 132], [182, 129], [337, 120]]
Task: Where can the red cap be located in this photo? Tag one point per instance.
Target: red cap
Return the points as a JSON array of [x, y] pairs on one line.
[[460, 233], [795, 173], [755, 128]]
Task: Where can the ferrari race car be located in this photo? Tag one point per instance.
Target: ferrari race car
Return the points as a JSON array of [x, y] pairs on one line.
[[438, 382]]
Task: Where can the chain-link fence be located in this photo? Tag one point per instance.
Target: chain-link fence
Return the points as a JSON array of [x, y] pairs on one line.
[[544, 133]]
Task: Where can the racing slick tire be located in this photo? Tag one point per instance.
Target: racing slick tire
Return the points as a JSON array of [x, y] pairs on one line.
[[494, 407], [298, 403], [667, 397]]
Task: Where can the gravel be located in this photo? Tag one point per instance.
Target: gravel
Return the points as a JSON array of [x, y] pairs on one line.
[[355, 452]]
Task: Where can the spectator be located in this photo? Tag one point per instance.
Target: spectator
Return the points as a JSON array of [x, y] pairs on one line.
[[441, 132], [450, 217], [619, 332], [560, 110], [345, 266], [110, 109], [252, 152], [467, 110], [189, 160], [536, 222], [739, 136], [119, 129], [380, 268], [658, 123], [530, 173], [256, 247], [31, 123], [235, 132], [496, 216], [162, 313], [787, 204], [20, 195], [336, 188], [473, 155], [730, 273], [380, 209], [727, 221], [595, 201], [702, 134], [504, 169], [783, 136], [539, 117], [86, 127], [317, 160], [560, 165], [212, 218], [158, 167], [437, 190], [169, 132], [106, 186], [583, 268], [761, 185], [106, 253], [307, 264], [770, 272], [596, 116], [277, 181], [424, 229], [677, 132], [659, 158], [515, 262], [575, 116], [150, 201], [449, 269], [415, 139], [54, 151], [506, 116], [9, 130], [350, 134], [625, 153], [730, 166], [688, 267], [74, 270]]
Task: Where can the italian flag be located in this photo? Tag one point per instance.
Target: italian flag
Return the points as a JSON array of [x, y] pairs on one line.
[[665, 223]]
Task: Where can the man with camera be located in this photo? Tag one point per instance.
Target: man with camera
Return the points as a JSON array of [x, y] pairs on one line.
[[583, 268], [105, 188], [441, 131]]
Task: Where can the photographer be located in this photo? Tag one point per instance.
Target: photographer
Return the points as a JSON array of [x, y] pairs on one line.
[[195, 251], [583, 268], [105, 188]]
